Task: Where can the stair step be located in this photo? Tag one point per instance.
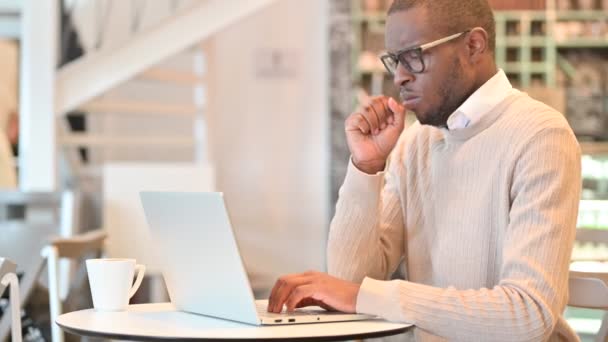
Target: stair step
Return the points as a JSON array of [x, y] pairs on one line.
[[170, 76], [94, 74], [83, 139], [134, 107]]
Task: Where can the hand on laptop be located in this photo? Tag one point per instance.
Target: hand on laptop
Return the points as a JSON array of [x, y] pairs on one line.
[[313, 288]]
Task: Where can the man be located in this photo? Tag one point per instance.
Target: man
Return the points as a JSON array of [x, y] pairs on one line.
[[479, 198]]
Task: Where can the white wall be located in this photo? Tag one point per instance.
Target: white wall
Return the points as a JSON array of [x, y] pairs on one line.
[[270, 135]]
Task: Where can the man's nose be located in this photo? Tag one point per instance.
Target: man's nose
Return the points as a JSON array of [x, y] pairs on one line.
[[402, 76]]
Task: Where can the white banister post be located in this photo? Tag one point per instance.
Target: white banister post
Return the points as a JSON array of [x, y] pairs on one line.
[[52, 260], [37, 136], [10, 280]]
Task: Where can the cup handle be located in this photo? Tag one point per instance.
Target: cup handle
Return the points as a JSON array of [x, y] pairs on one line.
[[141, 269]]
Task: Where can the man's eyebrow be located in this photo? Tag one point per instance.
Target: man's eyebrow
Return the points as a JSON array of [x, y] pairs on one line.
[[410, 47]]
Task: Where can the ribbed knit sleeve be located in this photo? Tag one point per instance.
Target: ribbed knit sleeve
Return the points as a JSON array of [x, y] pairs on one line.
[[366, 234], [532, 291]]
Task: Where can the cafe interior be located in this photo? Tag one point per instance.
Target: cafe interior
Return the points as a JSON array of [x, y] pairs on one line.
[[103, 99]]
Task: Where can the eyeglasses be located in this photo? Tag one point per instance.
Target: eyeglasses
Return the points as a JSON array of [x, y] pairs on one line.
[[411, 58]]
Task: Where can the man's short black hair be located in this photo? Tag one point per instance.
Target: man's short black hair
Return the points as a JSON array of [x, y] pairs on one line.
[[453, 16]]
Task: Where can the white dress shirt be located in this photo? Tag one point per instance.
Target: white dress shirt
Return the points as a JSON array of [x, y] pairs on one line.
[[491, 93]]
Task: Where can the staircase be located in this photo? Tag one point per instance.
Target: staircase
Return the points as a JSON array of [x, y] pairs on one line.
[[95, 84]]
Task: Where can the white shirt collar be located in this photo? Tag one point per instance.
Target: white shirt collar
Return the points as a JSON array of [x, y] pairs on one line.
[[481, 102]]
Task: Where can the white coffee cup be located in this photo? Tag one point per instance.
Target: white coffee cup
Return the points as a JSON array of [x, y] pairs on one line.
[[110, 281]]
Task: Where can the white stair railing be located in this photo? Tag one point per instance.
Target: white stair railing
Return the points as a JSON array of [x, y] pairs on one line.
[[82, 83], [94, 74]]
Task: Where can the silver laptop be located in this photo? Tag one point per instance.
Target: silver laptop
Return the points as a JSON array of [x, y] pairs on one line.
[[201, 264]]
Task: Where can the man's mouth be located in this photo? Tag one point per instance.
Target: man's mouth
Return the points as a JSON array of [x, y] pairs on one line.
[[409, 100]]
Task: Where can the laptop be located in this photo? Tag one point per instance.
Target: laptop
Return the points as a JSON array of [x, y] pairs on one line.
[[199, 257]]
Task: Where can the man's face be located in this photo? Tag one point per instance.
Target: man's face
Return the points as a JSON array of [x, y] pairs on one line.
[[440, 89]]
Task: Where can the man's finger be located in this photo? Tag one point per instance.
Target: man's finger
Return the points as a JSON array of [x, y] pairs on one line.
[[380, 112], [285, 289], [374, 117], [307, 302], [390, 116], [371, 118], [298, 294], [276, 288], [398, 111], [357, 122]]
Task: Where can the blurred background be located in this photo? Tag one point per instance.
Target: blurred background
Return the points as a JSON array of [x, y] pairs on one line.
[[101, 99]]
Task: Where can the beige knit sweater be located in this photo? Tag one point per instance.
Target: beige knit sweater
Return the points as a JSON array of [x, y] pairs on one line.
[[484, 218]]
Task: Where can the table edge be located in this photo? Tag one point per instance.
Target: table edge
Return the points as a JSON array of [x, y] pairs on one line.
[[89, 333]]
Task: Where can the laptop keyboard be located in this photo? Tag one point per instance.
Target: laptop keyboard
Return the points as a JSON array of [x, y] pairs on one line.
[[262, 309]]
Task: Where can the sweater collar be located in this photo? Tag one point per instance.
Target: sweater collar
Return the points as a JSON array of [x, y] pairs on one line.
[[484, 122], [481, 102]]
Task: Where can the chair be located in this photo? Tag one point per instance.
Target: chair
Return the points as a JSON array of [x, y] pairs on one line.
[[18, 242], [20, 238], [9, 278], [588, 283], [73, 248], [52, 213]]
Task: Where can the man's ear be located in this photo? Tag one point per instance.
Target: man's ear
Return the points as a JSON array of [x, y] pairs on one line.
[[477, 44]]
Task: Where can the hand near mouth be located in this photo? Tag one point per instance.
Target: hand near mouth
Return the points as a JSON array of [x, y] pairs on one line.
[[373, 131]]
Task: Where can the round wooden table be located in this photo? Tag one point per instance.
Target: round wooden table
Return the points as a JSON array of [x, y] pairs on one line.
[[164, 322]]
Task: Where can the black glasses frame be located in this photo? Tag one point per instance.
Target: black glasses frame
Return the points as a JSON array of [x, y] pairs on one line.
[[391, 60]]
